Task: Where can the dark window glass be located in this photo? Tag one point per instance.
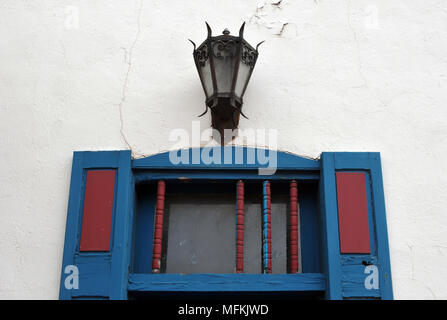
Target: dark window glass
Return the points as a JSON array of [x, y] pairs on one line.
[[253, 236], [279, 235], [200, 233]]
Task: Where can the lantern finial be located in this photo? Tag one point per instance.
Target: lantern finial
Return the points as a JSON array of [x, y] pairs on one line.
[[208, 28], [241, 30]]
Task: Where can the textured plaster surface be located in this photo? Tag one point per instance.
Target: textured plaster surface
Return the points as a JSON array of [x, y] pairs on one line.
[[331, 76]]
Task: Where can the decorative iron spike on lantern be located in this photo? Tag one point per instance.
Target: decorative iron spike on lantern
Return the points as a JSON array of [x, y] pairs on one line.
[[225, 64]]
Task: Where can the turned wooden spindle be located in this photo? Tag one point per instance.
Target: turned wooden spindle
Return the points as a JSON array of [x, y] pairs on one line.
[[158, 232], [267, 233], [240, 227], [293, 228]]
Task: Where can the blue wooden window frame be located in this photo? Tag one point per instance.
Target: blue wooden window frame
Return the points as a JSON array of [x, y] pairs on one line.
[[107, 275], [308, 281], [145, 211]]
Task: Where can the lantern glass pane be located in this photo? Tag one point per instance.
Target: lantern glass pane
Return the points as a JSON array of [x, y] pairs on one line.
[[207, 79], [224, 67], [242, 78]]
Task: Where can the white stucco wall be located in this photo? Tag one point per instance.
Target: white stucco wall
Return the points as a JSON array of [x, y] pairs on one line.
[[342, 76]]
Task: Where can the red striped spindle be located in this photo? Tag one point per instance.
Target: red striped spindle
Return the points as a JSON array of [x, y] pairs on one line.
[[158, 232], [293, 231], [240, 227]]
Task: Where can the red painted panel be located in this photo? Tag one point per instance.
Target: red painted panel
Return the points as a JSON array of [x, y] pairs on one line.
[[352, 212], [98, 210]]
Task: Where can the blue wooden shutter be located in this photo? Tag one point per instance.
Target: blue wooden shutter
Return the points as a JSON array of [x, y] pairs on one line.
[[351, 267], [103, 268]]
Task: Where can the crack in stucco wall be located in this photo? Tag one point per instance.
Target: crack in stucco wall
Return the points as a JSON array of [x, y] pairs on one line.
[[128, 60], [357, 44]]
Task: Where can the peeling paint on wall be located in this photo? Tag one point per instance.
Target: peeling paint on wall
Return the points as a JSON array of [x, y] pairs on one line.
[[269, 15]]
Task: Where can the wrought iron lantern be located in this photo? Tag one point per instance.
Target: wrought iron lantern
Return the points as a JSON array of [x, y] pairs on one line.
[[225, 64]]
